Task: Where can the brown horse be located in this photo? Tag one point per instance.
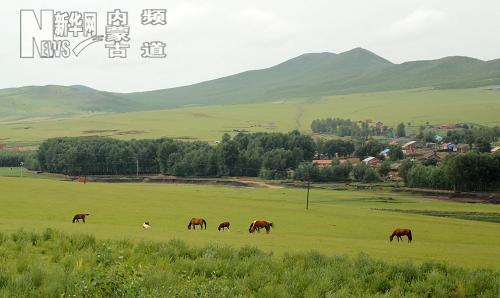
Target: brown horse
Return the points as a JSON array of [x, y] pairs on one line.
[[223, 225], [259, 224], [197, 221], [81, 216], [401, 232]]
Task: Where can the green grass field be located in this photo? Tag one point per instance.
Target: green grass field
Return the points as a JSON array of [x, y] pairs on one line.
[[479, 105], [337, 223]]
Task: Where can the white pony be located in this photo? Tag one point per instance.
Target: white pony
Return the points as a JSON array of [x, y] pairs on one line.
[[146, 225]]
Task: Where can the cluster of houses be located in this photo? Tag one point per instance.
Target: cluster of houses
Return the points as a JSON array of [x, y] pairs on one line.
[[426, 152]]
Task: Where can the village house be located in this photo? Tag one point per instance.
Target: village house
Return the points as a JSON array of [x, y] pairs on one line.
[[371, 161], [495, 149], [409, 147], [449, 147]]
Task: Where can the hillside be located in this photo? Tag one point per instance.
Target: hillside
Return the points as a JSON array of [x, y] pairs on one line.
[[306, 76], [53, 100]]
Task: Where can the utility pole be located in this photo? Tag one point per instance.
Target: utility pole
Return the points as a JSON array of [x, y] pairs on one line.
[[137, 168], [307, 199], [22, 165]]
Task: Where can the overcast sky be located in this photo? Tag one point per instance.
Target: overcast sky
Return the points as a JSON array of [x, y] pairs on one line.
[[208, 39]]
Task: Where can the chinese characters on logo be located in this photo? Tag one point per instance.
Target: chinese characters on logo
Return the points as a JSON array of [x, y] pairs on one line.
[[117, 33], [153, 49], [55, 34]]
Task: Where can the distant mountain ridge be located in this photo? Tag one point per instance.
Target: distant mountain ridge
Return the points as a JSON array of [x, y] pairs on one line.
[[305, 76]]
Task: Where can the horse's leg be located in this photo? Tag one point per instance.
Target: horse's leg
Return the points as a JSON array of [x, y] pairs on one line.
[[83, 220]]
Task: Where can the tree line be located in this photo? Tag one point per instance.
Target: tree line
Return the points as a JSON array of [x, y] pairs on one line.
[[348, 127], [15, 159], [270, 155], [473, 171]]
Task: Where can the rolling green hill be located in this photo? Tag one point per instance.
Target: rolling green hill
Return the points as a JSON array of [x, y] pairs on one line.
[[309, 76]]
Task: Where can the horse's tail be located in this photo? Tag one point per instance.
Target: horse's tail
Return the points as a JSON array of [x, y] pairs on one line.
[[204, 222], [271, 224], [409, 235]]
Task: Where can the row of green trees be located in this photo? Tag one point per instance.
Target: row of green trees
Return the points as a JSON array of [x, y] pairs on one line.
[[306, 171], [348, 127], [15, 159], [271, 155], [464, 172]]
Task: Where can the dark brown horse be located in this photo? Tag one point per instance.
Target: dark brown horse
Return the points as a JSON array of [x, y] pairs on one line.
[[81, 216], [401, 232], [223, 225], [197, 221], [259, 224]]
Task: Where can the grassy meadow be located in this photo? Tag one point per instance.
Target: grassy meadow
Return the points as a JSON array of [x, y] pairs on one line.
[[54, 264], [479, 105], [337, 222]]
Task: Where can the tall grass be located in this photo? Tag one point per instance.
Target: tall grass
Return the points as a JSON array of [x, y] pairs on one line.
[[53, 264]]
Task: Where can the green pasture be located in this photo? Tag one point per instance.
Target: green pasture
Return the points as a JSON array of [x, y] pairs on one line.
[[337, 222], [209, 123]]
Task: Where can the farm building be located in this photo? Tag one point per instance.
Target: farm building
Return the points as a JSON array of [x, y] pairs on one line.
[[371, 161], [495, 149], [438, 138], [322, 163]]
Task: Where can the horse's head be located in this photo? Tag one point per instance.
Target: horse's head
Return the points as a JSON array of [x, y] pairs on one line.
[[189, 226], [391, 237]]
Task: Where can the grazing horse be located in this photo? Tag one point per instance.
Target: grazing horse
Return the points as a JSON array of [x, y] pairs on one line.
[[401, 232], [197, 221], [77, 217], [223, 225], [259, 224]]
